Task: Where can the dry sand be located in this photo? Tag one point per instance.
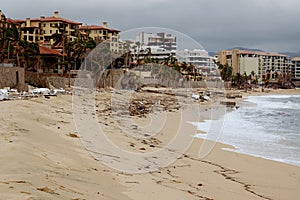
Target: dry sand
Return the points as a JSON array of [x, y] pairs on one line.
[[42, 157]]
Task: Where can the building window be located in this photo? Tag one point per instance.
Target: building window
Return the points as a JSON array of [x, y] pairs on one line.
[[50, 31], [44, 25], [44, 32], [30, 38]]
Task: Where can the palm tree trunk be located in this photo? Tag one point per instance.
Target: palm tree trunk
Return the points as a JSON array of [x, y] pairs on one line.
[[8, 49], [18, 60]]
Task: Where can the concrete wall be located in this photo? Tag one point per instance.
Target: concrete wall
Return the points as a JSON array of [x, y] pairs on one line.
[[45, 80], [108, 79], [12, 77]]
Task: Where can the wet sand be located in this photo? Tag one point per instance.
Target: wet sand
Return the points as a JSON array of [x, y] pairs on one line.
[[43, 157]]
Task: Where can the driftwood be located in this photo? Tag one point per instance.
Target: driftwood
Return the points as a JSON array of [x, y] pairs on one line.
[[228, 103]]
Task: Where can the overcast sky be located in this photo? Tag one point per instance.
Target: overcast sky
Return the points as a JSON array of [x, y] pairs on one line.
[[271, 25]]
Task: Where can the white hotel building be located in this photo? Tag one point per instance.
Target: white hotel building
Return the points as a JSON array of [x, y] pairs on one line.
[[162, 45], [199, 58]]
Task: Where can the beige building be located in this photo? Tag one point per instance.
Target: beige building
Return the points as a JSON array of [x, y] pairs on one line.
[[261, 63], [41, 29], [102, 33]]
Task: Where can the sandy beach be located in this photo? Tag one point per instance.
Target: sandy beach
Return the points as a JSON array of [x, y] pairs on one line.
[[44, 157]]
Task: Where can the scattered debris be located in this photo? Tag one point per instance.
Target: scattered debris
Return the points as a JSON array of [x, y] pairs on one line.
[[40, 91], [233, 96], [13, 94], [142, 106], [205, 97], [228, 103], [73, 135], [3, 94], [196, 96], [47, 190]]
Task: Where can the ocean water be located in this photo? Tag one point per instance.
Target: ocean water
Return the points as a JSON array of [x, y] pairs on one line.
[[264, 126]]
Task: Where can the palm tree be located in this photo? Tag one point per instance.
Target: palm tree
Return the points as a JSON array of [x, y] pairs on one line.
[[14, 48], [80, 49], [9, 36], [60, 39], [147, 55], [31, 55], [226, 72], [237, 80], [138, 44]]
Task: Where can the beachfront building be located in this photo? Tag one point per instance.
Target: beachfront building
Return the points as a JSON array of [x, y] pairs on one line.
[[159, 46], [41, 29], [103, 33], [199, 58], [263, 64], [161, 40], [295, 68], [295, 71], [50, 60]]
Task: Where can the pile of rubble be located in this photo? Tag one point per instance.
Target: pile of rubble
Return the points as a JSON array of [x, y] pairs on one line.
[[146, 104]]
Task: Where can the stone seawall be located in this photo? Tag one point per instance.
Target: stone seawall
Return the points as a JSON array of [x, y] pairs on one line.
[[45, 80], [12, 77]]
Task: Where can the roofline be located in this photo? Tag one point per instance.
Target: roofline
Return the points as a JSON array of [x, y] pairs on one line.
[[229, 52], [296, 59], [97, 27]]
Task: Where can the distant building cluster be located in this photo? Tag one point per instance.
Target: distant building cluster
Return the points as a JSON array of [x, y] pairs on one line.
[[163, 46]]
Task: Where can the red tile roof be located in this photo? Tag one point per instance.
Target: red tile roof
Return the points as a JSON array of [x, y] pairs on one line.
[[15, 21], [97, 27], [49, 19], [54, 19], [48, 51]]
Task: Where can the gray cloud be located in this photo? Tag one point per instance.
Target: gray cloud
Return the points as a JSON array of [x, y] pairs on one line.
[[267, 24]]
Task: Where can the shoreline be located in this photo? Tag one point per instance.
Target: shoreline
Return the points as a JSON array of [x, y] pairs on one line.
[[242, 103], [44, 157]]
